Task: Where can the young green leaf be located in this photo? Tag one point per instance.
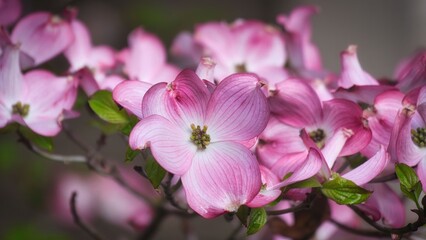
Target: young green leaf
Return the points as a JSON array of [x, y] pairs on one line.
[[257, 220], [130, 154], [154, 171], [406, 175], [344, 191], [104, 106], [40, 141], [242, 214]]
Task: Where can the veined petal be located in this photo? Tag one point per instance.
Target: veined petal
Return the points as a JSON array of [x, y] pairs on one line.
[[169, 144], [78, 51], [221, 178], [152, 99], [42, 36], [129, 94], [334, 145], [146, 57], [272, 75], [310, 166], [205, 69], [406, 151], [238, 109], [341, 113], [266, 195], [10, 10], [370, 169], [421, 172], [364, 94], [11, 80], [296, 103], [352, 73]]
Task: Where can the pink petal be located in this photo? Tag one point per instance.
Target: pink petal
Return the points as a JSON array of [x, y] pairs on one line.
[[167, 74], [87, 81], [278, 140], [238, 109], [11, 80], [77, 52], [111, 81], [341, 113], [370, 169], [296, 103], [299, 19], [265, 195], [46, 107], [169, 144], [42, 36], [185, 47], [364, 94], [406, 151], [421, 172], [334, 145], [205, 69], [389, 205], [411, 72], [129, 94], [10, 10], [272, 75], [146, 57], [150, 102], [308, 168], [352, 72], [221, 178]]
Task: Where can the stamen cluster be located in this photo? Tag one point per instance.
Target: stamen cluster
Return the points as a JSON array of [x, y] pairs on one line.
[[418, 136], [199, 136]]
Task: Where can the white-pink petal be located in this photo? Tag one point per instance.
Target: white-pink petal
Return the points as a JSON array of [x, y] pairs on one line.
[[221, 178], [169, 144], [129, 94], [238, 109]]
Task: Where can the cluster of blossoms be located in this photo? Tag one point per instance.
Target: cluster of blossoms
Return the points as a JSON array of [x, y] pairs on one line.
[[256, 122]]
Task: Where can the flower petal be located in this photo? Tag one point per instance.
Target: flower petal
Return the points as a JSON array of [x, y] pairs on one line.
[[169, 144], [221, 178], [10, 10], [352, 72], [77, 52], [11, 79], [238, 109], [296, 103], [129, 94], [421, 172], [42, 36], [265, 195], [370, 169]]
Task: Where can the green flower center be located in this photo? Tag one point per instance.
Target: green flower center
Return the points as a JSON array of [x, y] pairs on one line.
[[241, 68], [199, 136], [419, 136], [318, 136], [21, 109]]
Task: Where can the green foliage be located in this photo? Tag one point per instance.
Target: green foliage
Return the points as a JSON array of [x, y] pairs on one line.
[[307, 183], [104, 106], [409, 182], [154, 171], [242, 214], [130, 154], [31, 232], [256, 221], [344, 191], [34, 138]]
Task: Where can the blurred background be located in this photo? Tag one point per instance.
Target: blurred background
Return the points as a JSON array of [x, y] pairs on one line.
[[384, 30]]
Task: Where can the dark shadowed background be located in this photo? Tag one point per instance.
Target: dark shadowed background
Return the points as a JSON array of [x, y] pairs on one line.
[[384, 30]]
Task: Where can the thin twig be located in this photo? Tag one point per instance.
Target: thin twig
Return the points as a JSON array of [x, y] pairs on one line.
[[302, 206], [361, 232], [77, 219], [168, 193]]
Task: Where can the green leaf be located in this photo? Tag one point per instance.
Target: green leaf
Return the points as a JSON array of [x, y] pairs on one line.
[[130, 154], [344, 191], [133, 120], [257, 220], [154, 171], [40, 141], [406, 175], [307, 183], [104, 106], [243, 213]]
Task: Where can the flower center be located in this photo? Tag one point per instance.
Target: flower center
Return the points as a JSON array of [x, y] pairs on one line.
[[241, 68], [199, 136], [419, 136], [318, 137], [21, 109]]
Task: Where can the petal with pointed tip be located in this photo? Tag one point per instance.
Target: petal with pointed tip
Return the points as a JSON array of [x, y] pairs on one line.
[[10, 10], [169, 144], [221, 178], [129, 94], [238, 109]]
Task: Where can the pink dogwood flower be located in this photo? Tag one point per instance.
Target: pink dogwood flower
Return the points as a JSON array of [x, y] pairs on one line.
[[198, 135], [411, 72], [10, 10], [244, 46], [24, 99], [145, 59], [42, 36]]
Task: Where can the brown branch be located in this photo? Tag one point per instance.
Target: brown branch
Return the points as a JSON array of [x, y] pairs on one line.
[[361, 232], [77, 219]]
